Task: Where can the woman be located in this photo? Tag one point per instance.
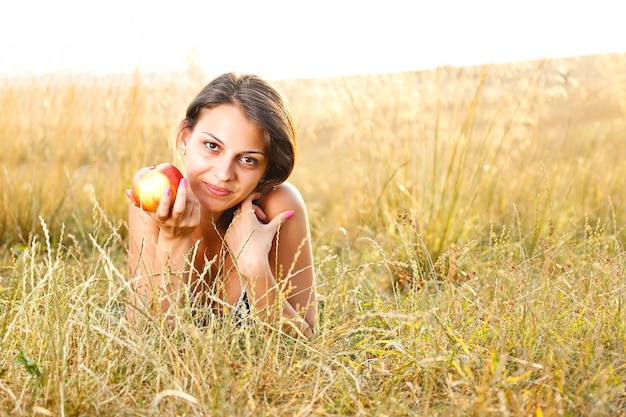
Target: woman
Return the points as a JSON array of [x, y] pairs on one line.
[[237, 236]]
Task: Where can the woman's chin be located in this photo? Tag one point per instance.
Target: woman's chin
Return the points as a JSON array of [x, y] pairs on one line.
[[216, 207]]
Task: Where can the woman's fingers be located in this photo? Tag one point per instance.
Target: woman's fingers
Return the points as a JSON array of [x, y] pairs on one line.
[[248, 202], [259, 213], [251, 241], [129, 195], [178, 209], [181, 216], [249, 205], [175, 210], [163, 211], [280, 219]]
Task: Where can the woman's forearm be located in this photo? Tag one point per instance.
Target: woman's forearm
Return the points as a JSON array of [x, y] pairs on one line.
[[157, 282], [265, 295]]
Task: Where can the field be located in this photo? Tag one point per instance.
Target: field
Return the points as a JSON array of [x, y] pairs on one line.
[[469, 227]]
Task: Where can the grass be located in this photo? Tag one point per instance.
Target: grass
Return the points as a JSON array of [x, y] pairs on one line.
[[468, 228]]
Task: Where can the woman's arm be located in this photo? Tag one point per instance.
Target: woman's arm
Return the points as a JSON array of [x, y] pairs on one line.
[[277, 257], [291, 257], [159, 244]]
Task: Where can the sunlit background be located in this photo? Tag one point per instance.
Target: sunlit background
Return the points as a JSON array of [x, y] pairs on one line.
[[287, 39]]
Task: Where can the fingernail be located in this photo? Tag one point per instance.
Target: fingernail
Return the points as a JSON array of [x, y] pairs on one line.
[[183, 183], [167, 192], [289, 214]]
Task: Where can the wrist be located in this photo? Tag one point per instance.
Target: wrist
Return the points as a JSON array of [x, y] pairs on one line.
[[251, 269], [174, 246], [175, 239]]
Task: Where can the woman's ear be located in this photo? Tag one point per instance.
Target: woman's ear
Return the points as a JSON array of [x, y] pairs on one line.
[[183, 138]]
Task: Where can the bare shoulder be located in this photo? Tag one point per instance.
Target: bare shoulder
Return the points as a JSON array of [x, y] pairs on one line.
[[285, 196]]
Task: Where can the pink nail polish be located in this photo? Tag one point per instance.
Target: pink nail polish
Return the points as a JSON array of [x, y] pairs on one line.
[[167, 192], [289, 214], [183, 183]]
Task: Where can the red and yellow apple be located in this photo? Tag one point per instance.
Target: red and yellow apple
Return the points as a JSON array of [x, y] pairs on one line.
[[149, 184]]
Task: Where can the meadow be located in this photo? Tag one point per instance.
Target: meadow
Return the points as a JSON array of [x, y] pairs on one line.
[[468, 227]]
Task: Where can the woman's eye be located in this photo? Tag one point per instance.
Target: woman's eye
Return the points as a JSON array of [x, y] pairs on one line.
[[249, 160], [212, 146]]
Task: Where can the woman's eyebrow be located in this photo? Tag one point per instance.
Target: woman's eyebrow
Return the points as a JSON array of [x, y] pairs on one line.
[[223, 144]]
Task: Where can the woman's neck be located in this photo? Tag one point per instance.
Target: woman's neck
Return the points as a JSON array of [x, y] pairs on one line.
[[209, 222]]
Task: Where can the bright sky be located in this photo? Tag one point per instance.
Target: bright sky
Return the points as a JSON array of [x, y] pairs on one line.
[[282, 38]]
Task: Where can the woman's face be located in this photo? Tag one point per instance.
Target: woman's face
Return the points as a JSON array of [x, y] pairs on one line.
[[224, 157]]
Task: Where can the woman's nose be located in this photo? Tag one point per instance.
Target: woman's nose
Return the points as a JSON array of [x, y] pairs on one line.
[[223, 170]]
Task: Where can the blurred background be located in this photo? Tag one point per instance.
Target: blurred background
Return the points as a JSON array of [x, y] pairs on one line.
[[460, 116], [284, 39]]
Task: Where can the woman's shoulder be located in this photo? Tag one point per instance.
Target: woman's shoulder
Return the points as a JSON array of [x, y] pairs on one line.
[[285, 196]]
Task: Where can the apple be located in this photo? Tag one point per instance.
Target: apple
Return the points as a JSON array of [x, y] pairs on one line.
[[149, 184]]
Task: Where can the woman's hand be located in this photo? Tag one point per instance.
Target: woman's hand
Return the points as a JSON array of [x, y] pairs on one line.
[[184, 216], [249, 238]]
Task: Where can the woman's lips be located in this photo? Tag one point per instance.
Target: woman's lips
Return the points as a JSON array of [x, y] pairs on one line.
[[217, 191]]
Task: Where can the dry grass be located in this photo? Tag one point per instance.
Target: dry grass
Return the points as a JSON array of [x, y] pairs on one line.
[[468, 226]]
